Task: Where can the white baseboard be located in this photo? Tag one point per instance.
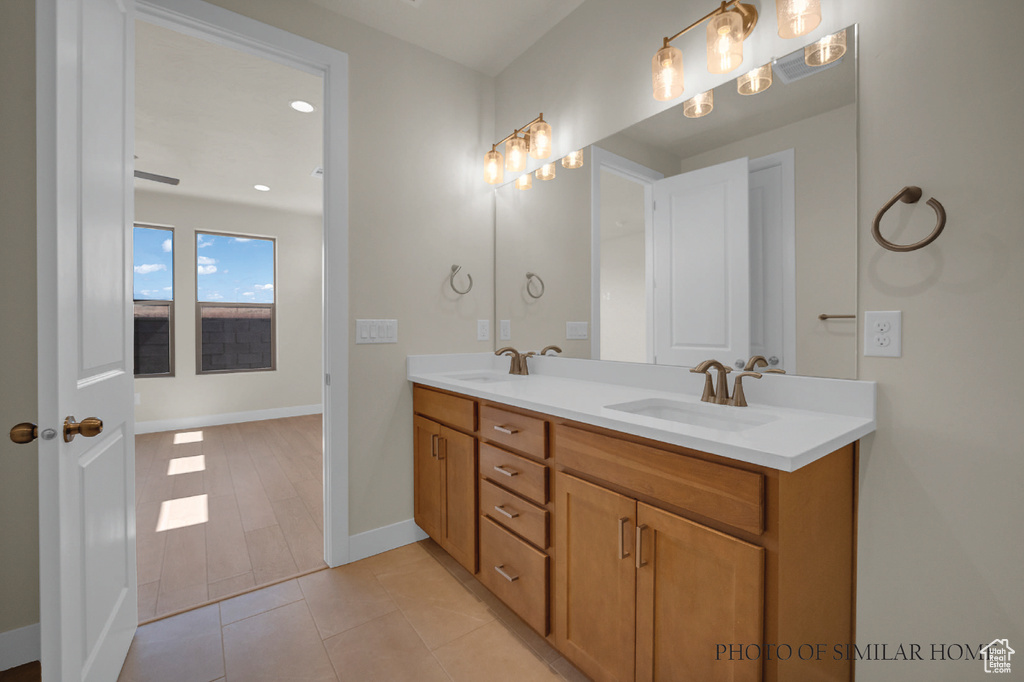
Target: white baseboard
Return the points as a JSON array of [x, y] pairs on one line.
[[18, 647], [383, 539], [226, 418]]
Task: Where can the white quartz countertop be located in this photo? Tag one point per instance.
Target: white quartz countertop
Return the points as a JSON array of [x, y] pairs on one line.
[[805, 417]]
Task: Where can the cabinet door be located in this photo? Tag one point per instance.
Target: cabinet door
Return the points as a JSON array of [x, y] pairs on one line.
[[427, 474], [696, 589], [595, 578], [457, 453]]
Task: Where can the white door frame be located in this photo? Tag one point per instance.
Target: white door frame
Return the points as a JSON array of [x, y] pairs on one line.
[[601, 159], [217, 25]]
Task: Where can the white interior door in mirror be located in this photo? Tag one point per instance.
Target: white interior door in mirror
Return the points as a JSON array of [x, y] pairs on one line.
[[701, 265]]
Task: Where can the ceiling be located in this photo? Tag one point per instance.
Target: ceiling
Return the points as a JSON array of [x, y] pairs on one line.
[[485, 35], [220, 120]]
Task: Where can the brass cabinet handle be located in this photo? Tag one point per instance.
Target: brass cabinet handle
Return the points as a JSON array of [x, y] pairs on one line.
[[622, 537], [639, 545], [504, 574], [433, 445], [502, 470], [501, 510], [442, 448], [25, 432], [508, 430], [88, 427]]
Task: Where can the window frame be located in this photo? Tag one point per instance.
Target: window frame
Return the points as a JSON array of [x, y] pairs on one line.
[[155, 302], [221, 304]]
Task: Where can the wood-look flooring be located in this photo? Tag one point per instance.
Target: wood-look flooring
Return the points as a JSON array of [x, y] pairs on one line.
[[262, 487]]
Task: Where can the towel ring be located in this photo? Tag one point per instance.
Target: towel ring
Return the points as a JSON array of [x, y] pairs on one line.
[[909, 195], [530, 276], [451, 280]]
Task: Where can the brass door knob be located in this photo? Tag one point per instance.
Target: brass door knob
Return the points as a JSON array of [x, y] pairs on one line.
[[25, 432], [88, 427]]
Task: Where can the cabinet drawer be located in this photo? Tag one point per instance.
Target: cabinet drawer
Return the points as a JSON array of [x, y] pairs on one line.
[[516, 573], [514, 513], [447, 409], [525, 477], [519, 432], [732, 496]]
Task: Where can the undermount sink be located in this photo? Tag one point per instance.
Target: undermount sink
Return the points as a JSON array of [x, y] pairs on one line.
[[483, 377], [720, 417]]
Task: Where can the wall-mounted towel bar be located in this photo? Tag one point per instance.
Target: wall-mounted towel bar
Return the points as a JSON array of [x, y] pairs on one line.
[[909, 195], [826, 316]]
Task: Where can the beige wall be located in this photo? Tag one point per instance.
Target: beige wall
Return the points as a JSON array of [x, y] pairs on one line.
[[19, 502], [544, 230], [940, 551], [825, 159], [296, 381]]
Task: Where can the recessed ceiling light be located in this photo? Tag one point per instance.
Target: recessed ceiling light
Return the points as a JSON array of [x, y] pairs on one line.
[[302, 106], [261, 188]]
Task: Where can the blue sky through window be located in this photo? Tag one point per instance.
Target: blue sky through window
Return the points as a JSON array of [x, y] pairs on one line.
[[153, 264], [234, 269]]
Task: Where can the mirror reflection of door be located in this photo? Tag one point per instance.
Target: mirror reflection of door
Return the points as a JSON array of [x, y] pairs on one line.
[[715, 275]]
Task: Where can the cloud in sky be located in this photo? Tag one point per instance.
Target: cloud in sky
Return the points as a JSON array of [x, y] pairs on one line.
[[207, 269], [264, 287], [248, 293], [168, 288], [167, 245], [203, 243], [204, 260], [147, 268], [242, 239], [215, 296]]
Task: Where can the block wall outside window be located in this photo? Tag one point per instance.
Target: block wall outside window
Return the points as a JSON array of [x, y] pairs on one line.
[[153, 293]]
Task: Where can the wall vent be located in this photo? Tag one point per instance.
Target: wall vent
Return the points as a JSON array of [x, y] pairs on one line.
[[792, 67]]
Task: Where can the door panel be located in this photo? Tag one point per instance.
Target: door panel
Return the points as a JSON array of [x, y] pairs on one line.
[[701, 265], [595, 586], [460, 511], [427, 475], [698, 588], [88, 581]]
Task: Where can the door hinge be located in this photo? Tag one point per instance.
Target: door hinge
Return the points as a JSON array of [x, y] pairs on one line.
[[327, 379]]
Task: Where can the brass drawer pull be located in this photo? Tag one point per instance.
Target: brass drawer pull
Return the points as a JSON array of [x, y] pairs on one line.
[[504, 574], [507, 430], [639, 545], [502, 470], [501, 510], [433, 445], [622, 537]]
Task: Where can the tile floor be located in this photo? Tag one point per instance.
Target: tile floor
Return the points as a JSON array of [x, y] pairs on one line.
[[260, 485], [412, 614]]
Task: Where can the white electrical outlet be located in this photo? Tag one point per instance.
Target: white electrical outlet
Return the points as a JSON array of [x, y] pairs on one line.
[[883, 333], [483, 330], [505, 330], [575, 330]]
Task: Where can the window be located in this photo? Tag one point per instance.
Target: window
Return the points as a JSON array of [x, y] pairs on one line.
[[235, 309], [153, 292]]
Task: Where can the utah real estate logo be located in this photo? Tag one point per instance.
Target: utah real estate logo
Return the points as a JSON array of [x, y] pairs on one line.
[[997, 656]]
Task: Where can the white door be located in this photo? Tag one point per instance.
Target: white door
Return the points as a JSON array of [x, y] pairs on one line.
[[89, 603], [701, 266]]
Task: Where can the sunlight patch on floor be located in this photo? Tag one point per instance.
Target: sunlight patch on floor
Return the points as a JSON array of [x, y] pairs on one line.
[[186, 465], [182, 512], [188, 437]]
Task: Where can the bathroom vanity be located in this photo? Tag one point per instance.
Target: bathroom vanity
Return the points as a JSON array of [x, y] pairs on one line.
[[717, 543]]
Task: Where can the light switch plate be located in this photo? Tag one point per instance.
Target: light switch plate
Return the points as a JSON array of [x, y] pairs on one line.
[[505, 332], [483, 330], [575, 330], [376, 331], [883, 333]]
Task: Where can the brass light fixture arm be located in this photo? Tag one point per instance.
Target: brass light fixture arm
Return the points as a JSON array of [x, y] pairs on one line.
[[748, 12], [517, 131]]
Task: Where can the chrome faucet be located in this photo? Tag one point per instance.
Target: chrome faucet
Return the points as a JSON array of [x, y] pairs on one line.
[[718, 394], [517, 364]]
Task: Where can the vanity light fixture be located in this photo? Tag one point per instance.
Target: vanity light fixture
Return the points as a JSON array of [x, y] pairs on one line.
[[524, 181], [699, 105], [533, 139], [797, 17], [753, 82], [827, 50], [546, 172], [729, 25], [573, 160]]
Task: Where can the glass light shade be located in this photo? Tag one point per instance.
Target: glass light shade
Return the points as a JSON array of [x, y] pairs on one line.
[[699, 105], [753, 82], [667, 73], [725, 42], [515, 154], [797, 17], [546, 172], [524, 181], [540, 140], [827, 50], [494, 167], [573, 160]]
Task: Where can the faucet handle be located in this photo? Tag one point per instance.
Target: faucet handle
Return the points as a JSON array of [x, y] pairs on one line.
[[738, 398]]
